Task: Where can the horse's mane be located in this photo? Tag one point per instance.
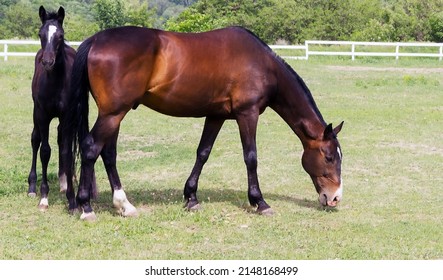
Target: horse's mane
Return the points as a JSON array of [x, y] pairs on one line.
[[289, 68]]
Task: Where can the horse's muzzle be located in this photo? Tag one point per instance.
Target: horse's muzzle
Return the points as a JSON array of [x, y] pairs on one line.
[[48, 64]]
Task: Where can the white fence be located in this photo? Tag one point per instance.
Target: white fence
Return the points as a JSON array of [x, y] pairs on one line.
[[437, 49], [7, 43], [306, 49]]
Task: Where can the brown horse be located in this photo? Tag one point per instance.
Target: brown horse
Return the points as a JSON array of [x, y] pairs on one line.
[[223, 74], [50, 89]]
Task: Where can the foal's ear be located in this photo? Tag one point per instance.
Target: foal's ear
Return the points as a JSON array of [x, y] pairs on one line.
[[61, 15], [42, 13]]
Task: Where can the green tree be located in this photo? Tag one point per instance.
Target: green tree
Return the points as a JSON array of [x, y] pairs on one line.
[[20, 21], [109, 13], [436, 27]]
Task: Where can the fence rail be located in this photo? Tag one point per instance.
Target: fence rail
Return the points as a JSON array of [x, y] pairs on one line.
[[306, 49], [7, 43]]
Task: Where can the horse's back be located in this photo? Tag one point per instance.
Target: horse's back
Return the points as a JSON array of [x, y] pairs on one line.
[[181, 74]]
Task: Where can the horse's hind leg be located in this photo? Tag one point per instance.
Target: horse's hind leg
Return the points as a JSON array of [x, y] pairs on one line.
[[210, 131], [104, 131], [32, 178], [248, 126], [109, 156]]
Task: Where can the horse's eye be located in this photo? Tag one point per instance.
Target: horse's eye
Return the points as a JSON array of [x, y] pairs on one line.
[[329, 159]]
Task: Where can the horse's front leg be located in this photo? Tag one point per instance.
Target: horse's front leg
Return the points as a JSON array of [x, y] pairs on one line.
[[120, 201], [210, 131], [62, 163], [45, 155], [247, 123], [32, 178]]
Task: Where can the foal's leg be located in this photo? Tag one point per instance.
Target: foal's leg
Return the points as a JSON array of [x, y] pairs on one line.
[[32, 178], [62, 163], [66, 167], [210, 132], [45, 155], [109, 156], [248, 127]]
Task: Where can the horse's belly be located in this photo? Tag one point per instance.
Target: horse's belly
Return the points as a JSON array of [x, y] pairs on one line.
[[187, 105]]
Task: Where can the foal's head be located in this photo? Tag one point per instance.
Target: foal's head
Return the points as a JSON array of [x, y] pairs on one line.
[[51, 35], [322, 161]]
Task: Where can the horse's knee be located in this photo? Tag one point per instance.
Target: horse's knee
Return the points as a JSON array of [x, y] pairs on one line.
[[251, 160], [89, 151]]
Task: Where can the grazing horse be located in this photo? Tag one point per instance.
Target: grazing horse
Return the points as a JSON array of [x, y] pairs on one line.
[[50, 90], [222, 74]]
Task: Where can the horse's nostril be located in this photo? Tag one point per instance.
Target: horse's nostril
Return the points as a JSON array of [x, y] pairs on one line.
[[336, 198]]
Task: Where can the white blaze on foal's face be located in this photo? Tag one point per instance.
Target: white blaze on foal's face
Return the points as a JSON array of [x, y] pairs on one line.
[[51, 31]]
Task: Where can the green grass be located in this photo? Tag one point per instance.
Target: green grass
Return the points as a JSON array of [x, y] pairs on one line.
[[393, 157]]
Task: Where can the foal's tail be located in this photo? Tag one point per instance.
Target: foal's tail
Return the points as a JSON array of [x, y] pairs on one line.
[[79, 104]]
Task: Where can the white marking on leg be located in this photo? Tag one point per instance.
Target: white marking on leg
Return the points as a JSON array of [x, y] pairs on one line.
[[63, 180], [89, 217], [51, 31], [44, 204], [124, 207]]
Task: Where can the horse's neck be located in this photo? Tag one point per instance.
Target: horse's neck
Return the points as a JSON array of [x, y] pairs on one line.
[[297, 107]]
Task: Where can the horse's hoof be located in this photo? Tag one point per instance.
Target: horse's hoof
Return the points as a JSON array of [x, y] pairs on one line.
[[88, 217], [32, 194], [73, 211], [43, 207], [194, 208], [266, 212], [130, 213]]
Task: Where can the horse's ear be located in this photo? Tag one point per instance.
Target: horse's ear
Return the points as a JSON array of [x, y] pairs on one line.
[[42, 13], [61, 15], [328, 134], [338, 128], [331, 133]]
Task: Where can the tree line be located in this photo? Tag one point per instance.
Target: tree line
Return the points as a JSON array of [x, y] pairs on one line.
[[286, 21]]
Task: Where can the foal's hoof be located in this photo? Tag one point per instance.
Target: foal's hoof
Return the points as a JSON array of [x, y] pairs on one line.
[[32, 194], [43, 207], [266, 212], [193, 206], [88, 217]]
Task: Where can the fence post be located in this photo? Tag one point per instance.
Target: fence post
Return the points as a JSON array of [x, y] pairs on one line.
[[353, 51], [307, 49], [441, 52], [5, 50], [397, 48]]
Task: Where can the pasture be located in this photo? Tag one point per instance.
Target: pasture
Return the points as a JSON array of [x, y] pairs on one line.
[[392, 143]]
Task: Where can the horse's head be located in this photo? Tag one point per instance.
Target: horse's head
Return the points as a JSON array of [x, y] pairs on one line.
[[322, 161], [51, 35]]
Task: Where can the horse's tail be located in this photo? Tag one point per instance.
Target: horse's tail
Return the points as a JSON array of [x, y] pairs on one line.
[[79, 104]]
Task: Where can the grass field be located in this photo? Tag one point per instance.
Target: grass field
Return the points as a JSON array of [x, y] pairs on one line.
[[392, 142]]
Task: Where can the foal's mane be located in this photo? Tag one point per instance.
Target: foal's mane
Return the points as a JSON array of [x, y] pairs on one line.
[[306, 90]]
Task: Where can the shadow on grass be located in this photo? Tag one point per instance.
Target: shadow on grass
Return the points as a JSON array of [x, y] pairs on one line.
[[150, 196]]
